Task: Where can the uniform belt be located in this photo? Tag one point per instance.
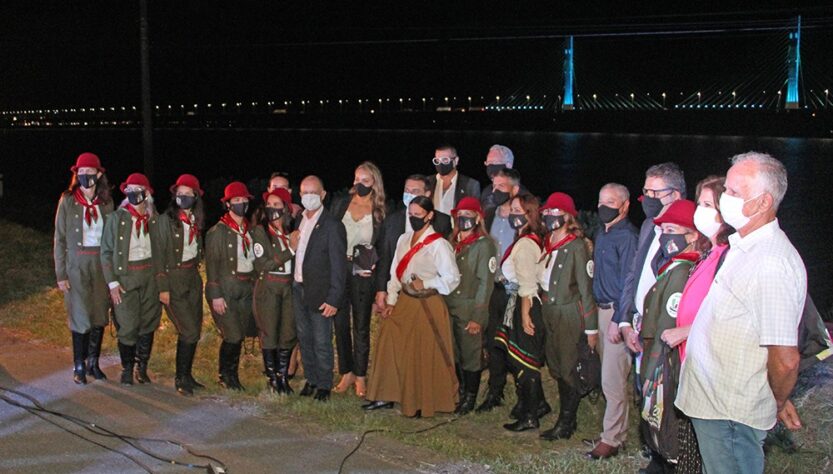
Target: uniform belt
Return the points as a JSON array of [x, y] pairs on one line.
[[139, 266], [276, 277], [605, 305], [244, 276], [189, 264], [545, 298], [88, 251]]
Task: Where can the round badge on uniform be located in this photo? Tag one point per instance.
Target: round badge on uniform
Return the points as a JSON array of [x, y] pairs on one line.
[[258, 250], [493, 264], [591, 267], [673, 304]]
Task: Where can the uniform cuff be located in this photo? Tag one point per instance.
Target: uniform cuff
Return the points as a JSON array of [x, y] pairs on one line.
[[113, 284], [624, 324], [591, 332]]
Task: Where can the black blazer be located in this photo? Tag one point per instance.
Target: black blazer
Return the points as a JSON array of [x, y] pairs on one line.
[[626, 308], [325, 268], [465, 187], [392, 228]]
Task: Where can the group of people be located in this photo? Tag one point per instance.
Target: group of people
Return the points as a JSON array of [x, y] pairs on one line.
[[705, 298]]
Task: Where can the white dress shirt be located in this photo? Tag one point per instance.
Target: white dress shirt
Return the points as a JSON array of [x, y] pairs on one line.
[[139, 245], [245, 262], [189, 250], [305, 230], [755, 301], [91, 234], [647, 278], [435, 264], [444, 199]]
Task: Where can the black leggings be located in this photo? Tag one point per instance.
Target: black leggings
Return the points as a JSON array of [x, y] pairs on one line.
[[353, 349]]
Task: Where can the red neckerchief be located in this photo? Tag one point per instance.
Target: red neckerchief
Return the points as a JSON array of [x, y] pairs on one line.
[[467, 241], [403, 264], [244, 237], [692, 257], [550, 248], [534, 238], [279, 235], [141, 219], [192, 226], [90, 212]]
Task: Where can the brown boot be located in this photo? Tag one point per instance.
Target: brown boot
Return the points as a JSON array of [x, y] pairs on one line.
[[603, 451]]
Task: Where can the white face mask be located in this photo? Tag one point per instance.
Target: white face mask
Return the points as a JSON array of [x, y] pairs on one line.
[[731, 208], [407, 197], [311, 202], [705, 220]]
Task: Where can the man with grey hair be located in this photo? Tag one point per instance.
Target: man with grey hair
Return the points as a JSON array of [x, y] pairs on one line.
[[497, 158], [742, 355]]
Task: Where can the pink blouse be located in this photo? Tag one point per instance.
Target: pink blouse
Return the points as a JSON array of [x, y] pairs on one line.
[[695, 291]]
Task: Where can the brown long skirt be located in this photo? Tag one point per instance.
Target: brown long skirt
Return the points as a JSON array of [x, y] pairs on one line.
[[409, 366]]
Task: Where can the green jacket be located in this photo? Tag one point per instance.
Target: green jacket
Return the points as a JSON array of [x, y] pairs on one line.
[[477, 263], [69, 219], [115, 245], [171, 243], [660, 313], [220, 258], [571, 282], [269, 256]]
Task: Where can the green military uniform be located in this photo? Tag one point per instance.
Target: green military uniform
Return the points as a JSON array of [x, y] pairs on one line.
[[224, 281], [88, 301]]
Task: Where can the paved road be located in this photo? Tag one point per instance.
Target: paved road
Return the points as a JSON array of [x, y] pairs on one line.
[[245, 442]]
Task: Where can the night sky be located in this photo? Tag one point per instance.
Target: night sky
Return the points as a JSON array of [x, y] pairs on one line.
[[55, 53]]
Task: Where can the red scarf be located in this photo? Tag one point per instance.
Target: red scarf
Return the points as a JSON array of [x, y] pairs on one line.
[[692, 257], [403, 264], [550, 248], [192, 226], [227, 220], [534, 238], [467, 241], [90, 212], [280, 236], [141, 219]]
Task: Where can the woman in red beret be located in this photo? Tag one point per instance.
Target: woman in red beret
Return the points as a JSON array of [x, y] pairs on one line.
[[79, 224]]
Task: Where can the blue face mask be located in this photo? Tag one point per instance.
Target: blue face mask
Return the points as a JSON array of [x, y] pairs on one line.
[[406, 198]]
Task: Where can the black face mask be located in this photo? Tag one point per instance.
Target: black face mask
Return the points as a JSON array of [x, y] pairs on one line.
[[87, 180], [466, 223], [135, 197], [553, 222], [607, 214], [445, 168], [363, 190], [185, 201], [672, 244], [274, 213], [240, 208], [417, 223], [500, 197], [516, 221], [492, 170], [651, 206]]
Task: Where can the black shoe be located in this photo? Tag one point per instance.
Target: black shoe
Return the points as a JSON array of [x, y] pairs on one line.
[[269, 363], [544, 409], [466, 404], [128, 358], [193, 382], [143, 347], [80, 342], [308, 390], [283, 365], [183, 386], [377, 405], [566, 424], [322, 395], [94, 352], [492, 401], [522, 425]]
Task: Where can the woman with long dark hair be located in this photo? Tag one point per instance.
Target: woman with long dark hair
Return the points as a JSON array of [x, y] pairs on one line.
[[180, 285], [79, 224]]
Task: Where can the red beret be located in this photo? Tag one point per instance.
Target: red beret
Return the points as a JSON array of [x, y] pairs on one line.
[[679, 212], [187, 180], [137, 179], [468, 204], [235, 189], [281, 193], [87, 160], [560, 201]]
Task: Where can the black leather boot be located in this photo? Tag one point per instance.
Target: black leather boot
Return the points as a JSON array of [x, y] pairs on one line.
[[469, 399], [80, 343], [283, 366], [234, 366], [225, 377], [493, 399], [94, 352], [565, 426], [270, 367], [143, 347], [184, 358], [529, 392], [461, 382], [128, 358]]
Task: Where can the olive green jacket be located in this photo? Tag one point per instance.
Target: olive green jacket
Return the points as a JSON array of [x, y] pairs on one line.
[[69, 236], [269, 257], [115, 244], [477, 263], [220, 258], [171, 243], [571, 283]]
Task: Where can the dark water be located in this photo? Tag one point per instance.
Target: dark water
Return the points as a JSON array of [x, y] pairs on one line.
[[34, 165]]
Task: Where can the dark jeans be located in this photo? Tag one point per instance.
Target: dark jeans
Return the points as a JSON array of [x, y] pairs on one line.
[[315, 336], [354, 349], [498, 364]]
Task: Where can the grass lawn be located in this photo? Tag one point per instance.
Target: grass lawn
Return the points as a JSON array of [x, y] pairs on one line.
[[30, 302]]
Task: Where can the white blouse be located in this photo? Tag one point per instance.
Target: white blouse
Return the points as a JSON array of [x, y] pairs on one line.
[[522, 266], [359, 232], [189, 250], [435, 264]]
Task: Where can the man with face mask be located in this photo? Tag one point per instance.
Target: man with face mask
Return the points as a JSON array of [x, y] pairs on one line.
[[229, 266], [448, 186], [613, 253], [742, 357], [497, 158]]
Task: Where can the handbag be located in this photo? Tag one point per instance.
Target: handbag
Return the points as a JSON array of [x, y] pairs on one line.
[[660, 426]]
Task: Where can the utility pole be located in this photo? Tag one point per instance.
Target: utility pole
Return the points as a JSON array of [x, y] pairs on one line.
[[147, 111]]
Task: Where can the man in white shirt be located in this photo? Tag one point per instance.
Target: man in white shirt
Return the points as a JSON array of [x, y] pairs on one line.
[[448, 186], [742, 355]]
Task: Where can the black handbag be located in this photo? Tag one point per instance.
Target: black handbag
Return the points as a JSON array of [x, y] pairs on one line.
[[364, 259], [588, 368]]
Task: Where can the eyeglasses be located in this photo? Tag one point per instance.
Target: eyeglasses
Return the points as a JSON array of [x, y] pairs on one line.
[[655, 193], [444, 160]]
